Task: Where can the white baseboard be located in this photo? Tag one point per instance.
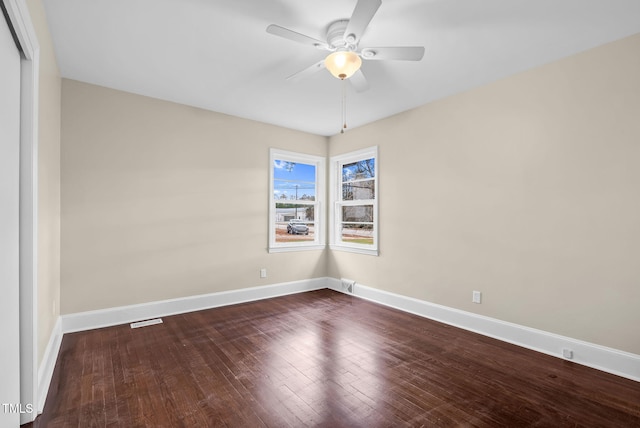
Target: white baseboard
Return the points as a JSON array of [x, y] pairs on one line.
[[588, 354], [125, 314], [45, 370]]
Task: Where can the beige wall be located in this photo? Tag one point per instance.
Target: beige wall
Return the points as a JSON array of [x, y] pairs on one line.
[[526, 189], [162, 201], [48, 281]]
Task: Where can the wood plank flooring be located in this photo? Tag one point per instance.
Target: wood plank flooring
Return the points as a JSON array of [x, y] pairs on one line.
[[321, 359]]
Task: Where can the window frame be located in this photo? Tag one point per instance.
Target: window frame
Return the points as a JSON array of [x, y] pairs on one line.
[[319, 241], [336, 201]]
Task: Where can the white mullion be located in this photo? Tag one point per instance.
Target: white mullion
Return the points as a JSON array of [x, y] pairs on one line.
[[359, 180], [294, 202], [358, 202]]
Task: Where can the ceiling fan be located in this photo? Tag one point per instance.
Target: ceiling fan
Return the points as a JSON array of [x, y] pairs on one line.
[[343, 38]]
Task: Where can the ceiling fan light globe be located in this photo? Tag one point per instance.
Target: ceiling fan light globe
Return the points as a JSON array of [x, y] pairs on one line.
[[343, 64]]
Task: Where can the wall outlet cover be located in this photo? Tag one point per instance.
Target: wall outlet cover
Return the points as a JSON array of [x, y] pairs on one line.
[[477, 297]]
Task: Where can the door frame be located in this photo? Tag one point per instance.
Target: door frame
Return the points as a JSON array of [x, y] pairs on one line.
[[24, 32]]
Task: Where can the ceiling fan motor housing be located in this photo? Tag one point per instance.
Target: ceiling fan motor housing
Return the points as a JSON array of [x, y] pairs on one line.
[[336, 37]]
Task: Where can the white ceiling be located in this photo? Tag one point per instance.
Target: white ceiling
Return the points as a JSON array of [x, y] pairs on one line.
[[216, 54]]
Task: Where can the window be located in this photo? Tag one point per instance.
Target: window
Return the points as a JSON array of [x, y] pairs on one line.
[[297, 192], [354, 193]]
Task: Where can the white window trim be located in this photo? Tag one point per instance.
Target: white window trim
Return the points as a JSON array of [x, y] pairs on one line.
[[319, 216], [335, 183]]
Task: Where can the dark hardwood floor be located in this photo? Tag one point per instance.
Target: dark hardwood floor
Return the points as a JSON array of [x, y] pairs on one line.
[[321, 359]]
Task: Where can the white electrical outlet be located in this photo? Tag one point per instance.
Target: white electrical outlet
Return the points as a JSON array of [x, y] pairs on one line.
[[477, 297], [567, 353], [263, 273]]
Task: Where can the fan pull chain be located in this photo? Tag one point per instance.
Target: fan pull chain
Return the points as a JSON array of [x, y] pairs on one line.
[[344, 106]]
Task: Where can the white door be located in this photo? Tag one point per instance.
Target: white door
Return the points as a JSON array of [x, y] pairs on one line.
[[9, 228]]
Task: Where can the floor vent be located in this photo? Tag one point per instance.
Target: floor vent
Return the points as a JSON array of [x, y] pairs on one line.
[[347, 285], [146, 323]]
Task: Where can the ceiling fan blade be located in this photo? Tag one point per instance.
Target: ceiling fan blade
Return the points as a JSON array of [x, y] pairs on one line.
[[359, 82], [296, 37], [362, 15], [307, 71], [398, 53]]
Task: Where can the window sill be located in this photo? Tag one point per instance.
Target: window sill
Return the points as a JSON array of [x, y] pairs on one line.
[[291, 248], [357, 250]]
